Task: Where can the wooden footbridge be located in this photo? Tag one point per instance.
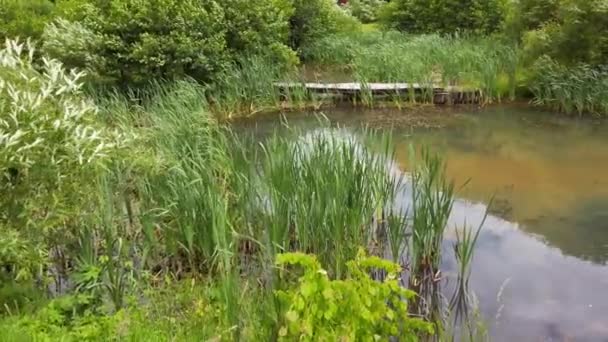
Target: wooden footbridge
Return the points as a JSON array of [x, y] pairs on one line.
[[440, 95]]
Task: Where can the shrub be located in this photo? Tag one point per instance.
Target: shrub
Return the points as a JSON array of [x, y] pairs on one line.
[[355, 309], [365, 10], [76, 46], [50, 147], [139, 41], [253, 26], [579, 34], [311, 20], [24, 18], [443, 16]]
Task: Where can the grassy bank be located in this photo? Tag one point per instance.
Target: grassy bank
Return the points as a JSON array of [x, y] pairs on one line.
[[498, 69], [390, 56]]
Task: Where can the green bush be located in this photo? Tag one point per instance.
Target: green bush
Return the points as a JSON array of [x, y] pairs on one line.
[[50, 142], [135, 41], [365, 10], [443, 16], [24, 18], [577, 89], [254, 26], [312, 20], [357, 308], [535, 13], [579, 34], [77, 47]]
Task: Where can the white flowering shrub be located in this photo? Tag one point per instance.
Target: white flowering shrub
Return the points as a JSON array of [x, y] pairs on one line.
[[51, 146]]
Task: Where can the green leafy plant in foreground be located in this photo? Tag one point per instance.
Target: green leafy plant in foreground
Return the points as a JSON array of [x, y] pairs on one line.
[[357, 308]]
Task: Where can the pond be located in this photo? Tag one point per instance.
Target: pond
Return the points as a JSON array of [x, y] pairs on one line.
[[540, 270]]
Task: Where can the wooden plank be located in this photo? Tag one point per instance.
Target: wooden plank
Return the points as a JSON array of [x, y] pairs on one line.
[[449, 95], [354, 86]]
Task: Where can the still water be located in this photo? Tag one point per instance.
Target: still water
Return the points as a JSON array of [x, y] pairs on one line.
[[540, 270]]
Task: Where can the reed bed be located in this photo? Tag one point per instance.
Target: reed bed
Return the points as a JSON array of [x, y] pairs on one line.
[[424, 59], [581, 89]]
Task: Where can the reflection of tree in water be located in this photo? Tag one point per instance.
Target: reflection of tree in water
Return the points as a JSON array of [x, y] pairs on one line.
[[582, 232]]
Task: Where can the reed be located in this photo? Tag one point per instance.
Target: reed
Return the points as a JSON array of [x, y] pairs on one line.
[[323, 193], [247, 86], [425, 59], [464, 247], [581, 89]]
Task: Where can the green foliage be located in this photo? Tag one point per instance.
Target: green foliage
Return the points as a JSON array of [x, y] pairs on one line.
[[247, 86], [578, 34], [357, 308], [24, 18], [189, 195], [366, 10], [574, 90], [432, 197], [132, 42], [50, 142], [322, 192], [312, 20], [77, 47], [443, 16], [254, 27], [534, 14]]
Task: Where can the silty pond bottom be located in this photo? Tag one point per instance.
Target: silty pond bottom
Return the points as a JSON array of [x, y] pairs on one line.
[[540, 270]]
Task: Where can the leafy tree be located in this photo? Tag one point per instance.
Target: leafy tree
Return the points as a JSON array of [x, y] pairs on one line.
[[259, 27], [535, 13], [443, 16]]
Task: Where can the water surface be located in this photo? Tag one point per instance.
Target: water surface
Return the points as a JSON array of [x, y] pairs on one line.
[[540, 270]]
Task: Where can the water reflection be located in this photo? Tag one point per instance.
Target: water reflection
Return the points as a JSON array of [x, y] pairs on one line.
[[546, 296]]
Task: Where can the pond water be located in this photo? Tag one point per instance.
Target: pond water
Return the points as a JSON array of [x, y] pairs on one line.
[[540, 270]]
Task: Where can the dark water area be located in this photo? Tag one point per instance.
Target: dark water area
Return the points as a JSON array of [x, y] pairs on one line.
[[540, 270]]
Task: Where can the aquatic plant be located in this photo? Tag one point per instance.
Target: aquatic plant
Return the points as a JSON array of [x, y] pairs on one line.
[[426, 59], [571, 90], [323, 192]]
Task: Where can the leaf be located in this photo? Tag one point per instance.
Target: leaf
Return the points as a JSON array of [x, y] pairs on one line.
[[291, 316]]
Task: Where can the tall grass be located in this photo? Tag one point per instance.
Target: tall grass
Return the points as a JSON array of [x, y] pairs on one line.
[[323, 193], [248, 86], [573, 90], [425, 59]]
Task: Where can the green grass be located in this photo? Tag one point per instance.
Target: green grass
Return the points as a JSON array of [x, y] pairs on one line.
[[390, 56], [581, 89]]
